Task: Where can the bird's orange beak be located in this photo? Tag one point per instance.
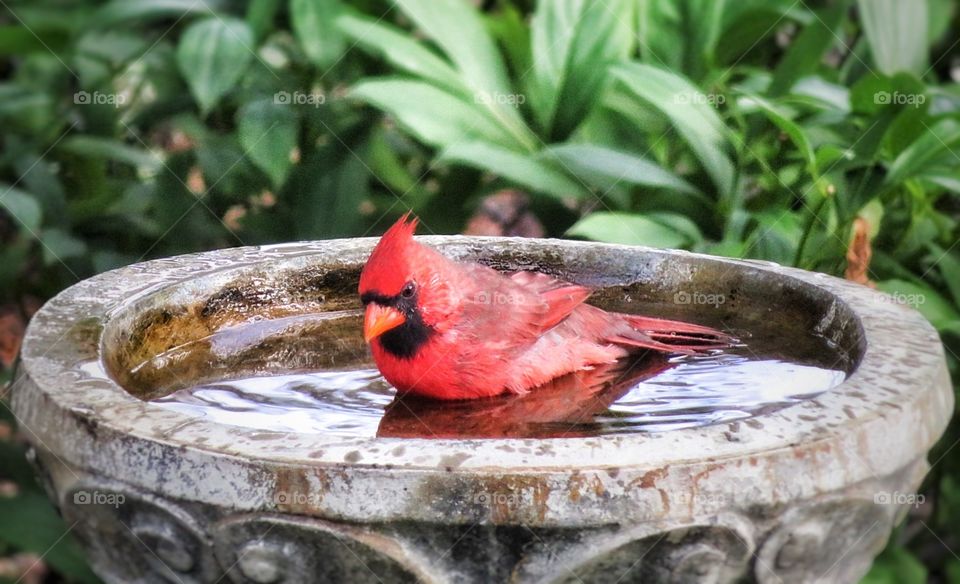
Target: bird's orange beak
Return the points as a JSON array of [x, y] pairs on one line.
[[379, 319]]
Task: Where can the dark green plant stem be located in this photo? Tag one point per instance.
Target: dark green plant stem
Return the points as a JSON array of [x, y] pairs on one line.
[[807, 229]]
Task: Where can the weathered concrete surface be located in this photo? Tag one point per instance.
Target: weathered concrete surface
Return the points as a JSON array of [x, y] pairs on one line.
[[807, 493]]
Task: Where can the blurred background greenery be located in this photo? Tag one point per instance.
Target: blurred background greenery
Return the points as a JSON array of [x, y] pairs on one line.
[[820, 134]]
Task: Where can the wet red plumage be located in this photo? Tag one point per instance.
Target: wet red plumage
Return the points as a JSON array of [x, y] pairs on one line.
[[487, 333]]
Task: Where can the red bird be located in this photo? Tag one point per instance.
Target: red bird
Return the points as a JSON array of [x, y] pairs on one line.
[[449, 330]]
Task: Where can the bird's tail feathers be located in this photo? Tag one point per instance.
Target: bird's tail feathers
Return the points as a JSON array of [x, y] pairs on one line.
[[672, 336]]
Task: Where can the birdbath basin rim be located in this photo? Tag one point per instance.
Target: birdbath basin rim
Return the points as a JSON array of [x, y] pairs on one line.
[[894, 404]]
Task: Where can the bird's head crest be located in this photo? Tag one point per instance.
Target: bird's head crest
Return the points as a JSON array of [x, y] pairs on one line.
[[393, 259]]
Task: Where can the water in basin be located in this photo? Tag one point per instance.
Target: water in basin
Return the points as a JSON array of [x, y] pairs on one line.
[[772, 368]]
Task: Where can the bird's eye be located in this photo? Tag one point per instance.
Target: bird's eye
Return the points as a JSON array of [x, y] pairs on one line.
[[408, 290]]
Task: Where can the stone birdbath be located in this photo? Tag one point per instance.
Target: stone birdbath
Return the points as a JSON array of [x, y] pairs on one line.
[[807, 492]]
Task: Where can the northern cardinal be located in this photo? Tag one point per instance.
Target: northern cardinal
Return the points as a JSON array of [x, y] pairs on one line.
[[450, 330]]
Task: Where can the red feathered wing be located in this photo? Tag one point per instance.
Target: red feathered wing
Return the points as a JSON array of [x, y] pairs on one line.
[[561, 298]]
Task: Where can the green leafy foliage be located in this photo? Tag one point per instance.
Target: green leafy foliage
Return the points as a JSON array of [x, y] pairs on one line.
[[759, 128], [520, 168], [30, 524], [897, 566], [897, 34], [656, 229], [573, 44], [314, 22], [213, 55], [268, 133]]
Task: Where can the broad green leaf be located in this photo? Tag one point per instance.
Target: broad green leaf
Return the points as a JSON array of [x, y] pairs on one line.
[[681, 35], [925, 152], [868, 93], [776, 236], [433, 115], [212, 56], [805, 52], [23, 207], [14, 255], [898, 107], [32, 524], [949, 265], [749, 22], [59, 246], [940, 312], [689, 110], [897, 34], [123, 10], [782, 120], [574, 43], [33, 112], [628, 228], [823, 92], [43, 17], [681, 224], [896, 565], [327, 191], [18, 40], [99, 54], [41, 178], [105, 260], [953, 571], [948, 496], [895, 124], [659, 26], [268, 133], [706, 17], [511, 31], [388, 165], [522, 169], [400, 50], [939, 18], [606, 167], [110, 149], [945, 180], [227, 167], [260, 16], [315, 26], [457, 29]]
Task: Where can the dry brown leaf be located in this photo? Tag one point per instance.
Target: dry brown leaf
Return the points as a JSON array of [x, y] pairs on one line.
[[9, 489], [11, 333], [505, 213], [23, 568], [30, 305], [195, 181], [233, 216], [859, 253], [177, 141]]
